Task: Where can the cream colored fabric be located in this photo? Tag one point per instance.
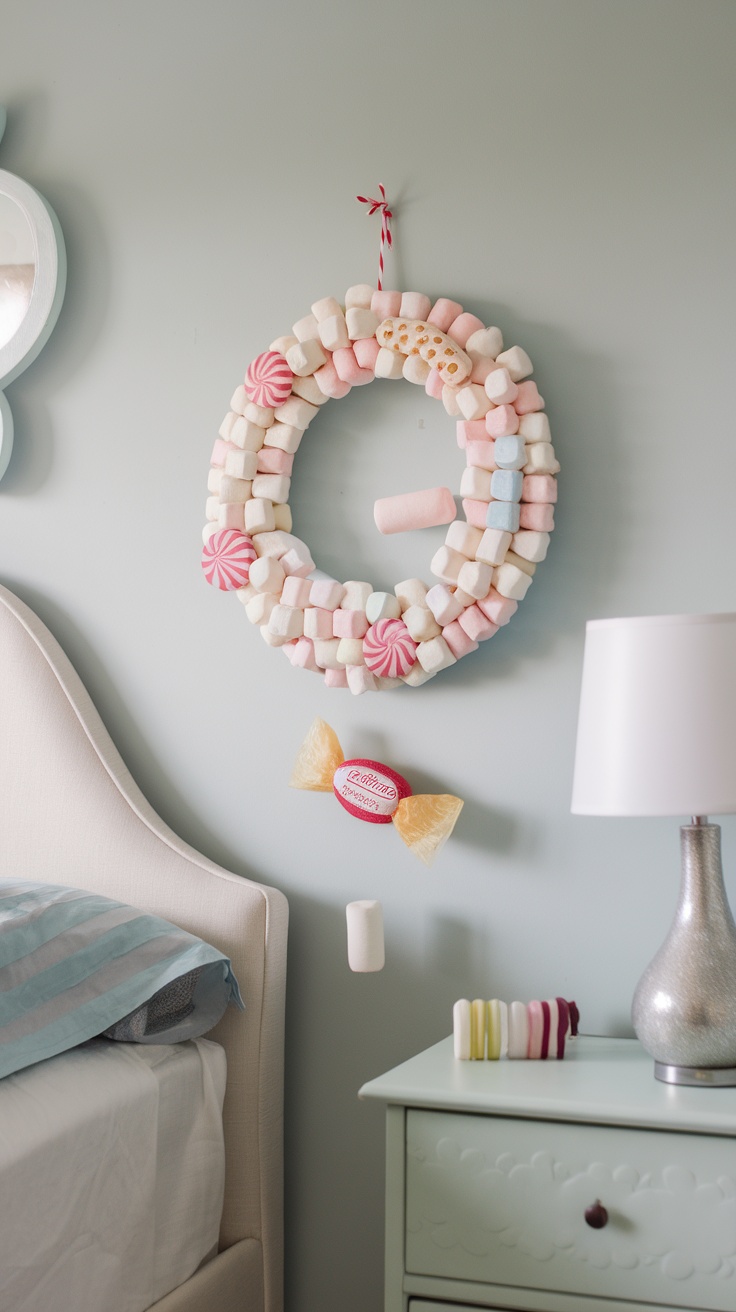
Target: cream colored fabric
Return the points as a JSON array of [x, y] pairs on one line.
[[72, 814], [232, 1282]]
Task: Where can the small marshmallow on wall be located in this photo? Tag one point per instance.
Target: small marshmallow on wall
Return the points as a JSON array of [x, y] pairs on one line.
[[366, 951]]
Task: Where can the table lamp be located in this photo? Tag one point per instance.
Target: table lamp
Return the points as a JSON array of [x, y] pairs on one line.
[[657, 736]]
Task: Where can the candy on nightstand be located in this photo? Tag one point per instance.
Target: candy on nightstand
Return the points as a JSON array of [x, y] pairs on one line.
[[374, 792], [517, 1032]]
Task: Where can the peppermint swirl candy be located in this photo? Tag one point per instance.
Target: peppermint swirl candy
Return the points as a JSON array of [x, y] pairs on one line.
[[268, 380], [389, 649], [227, 558]]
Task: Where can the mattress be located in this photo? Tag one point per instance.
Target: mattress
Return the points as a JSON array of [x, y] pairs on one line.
[[112, 1173]]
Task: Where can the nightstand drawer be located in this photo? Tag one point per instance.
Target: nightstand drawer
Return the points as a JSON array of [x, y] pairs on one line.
[[502, 1201]]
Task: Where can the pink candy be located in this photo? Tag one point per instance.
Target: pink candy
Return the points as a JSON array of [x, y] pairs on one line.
[[268, 380], [389, 649], [502, 421], [227, 558]]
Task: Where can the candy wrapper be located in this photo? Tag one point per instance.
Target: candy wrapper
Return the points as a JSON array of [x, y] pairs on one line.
[[373, 792]]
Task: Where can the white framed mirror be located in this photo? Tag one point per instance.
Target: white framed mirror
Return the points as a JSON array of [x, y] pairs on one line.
[[32, 284]]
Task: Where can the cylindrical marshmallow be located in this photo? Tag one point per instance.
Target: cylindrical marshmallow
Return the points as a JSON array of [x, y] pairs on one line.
[[461, 1029], [518, 1031], [366, 951], [410, 510]]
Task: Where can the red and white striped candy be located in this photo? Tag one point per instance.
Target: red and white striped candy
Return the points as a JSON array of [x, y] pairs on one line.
[[227, 558], [268, 380], [389, 649]]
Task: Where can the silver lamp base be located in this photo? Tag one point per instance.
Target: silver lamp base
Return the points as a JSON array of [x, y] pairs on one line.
[[684, 1008]]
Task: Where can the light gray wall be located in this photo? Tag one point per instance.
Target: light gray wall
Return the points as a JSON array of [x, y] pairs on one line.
[[564, 168]]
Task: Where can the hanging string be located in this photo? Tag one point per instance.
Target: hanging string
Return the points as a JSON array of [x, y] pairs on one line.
[[386, 217]]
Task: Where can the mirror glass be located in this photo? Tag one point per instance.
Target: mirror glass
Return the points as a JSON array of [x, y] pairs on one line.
[[17, 267]]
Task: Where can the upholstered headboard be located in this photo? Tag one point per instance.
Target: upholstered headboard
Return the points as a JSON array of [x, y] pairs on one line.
[[71, 813]]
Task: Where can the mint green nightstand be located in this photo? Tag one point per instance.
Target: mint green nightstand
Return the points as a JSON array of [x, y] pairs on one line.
[[491, 1167]]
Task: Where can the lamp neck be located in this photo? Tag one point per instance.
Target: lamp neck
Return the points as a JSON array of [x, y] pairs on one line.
[[702, 891]]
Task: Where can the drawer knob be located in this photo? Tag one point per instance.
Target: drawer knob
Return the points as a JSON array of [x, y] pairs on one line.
[[596, 1215]]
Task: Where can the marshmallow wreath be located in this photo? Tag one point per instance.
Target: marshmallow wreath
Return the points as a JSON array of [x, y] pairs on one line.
[[356, 637]]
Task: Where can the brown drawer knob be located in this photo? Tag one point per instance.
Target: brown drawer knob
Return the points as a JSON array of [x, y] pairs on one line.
[[596, 1215]]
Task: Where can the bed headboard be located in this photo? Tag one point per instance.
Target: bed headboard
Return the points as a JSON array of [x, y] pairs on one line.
[[71, 813]]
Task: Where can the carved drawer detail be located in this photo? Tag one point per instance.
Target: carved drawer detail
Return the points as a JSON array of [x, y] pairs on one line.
[[503, 1201]]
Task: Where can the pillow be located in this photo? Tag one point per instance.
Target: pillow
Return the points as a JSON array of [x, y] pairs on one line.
[[74, 965]]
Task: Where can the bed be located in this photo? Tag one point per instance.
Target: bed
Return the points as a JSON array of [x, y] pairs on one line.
[[72, 815]]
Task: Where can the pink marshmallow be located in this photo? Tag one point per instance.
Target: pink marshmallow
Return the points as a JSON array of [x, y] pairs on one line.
[[482, 367], [414, 305], [501, 421], [336, 678], [463, 327], [295, 592], [410, 510], [329, 383], [496, 608], [476, 624], [221, 449], [537, 515], [326, 594], [500, 387], [481, 454], [475, 512], [528, 399], [304, 655], [471, 430], [348, 369], [386, 305], [317, 623], [443, 313], [434, 385], [459, 642], [289, 649], [539, 487], [349, 624], [444, 604], [272, 460], [365, 350], [536, 1029]]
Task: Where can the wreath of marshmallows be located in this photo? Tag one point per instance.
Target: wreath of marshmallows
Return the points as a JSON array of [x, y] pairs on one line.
[[357, 637]]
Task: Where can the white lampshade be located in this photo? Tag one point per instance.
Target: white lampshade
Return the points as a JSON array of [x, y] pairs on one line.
[[657, 726]]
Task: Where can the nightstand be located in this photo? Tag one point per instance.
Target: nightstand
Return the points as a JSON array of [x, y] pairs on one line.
[[492, 1166]]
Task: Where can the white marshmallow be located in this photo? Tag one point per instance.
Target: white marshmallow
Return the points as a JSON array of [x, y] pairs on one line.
[[230, 515], [472, 401], [273, 487], [411, 592], [248, 436], [258, 414], [366, 950], [306, 357], [298, 560], [308, 389], [275, 543], [241, 464], [275, 639], [305, 330], [500, 387], [282, 344], [355, 597], [464, 538], [449, 400], [296, 411], [421, 623], [266, 575], [382, 606], [414, 305], [446, 564], [359, 297], [234, 487], [526, 566], [239, 400], [475, 578], [283, 517], [417, 676], [285, 436], [530, 544], [333, 332], [434, 655], [214, 479], [475, 483], [350, 651], [444, 604], [461, 1029], [389, 364], [361, 679], [511, 582], [326, 308], [486, 342], [415, 369], [361, 322], [259, 608], [246, 594], [493, 546], [226, 427], [286, 622], [259, 516], [517, 362], [208, 531], [383, 683], [212, 508], [325, 653], [541, 459], [535, 427]]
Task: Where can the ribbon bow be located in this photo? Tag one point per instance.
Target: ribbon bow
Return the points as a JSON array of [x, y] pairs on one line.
[[386, 217]]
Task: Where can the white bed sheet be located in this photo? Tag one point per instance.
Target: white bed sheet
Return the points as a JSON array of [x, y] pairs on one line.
[[111, 1175]]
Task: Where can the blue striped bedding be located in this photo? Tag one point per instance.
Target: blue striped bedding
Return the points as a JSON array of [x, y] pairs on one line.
[[74, 965]]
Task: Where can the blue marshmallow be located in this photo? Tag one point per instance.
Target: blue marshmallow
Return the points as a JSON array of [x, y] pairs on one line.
[[509, 452], [504, 515], [506, 484]]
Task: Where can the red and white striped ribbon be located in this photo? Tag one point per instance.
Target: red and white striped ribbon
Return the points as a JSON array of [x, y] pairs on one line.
[[386, 217]]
